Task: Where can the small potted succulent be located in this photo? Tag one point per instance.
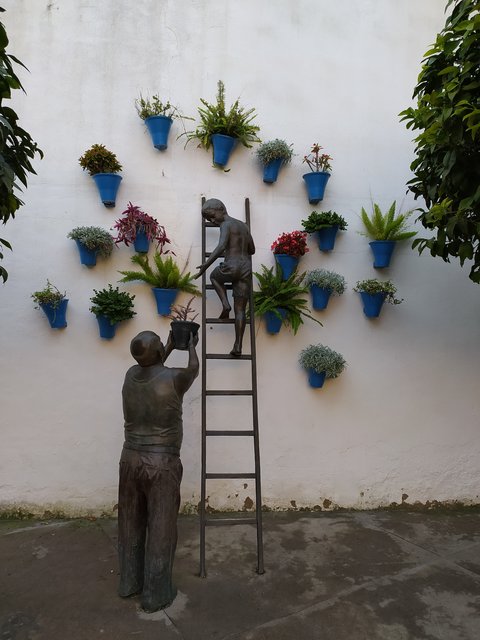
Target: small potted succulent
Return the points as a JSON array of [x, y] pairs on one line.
[[158, 117], [164, 277], [320, 167], [322, 284], [281, 301], [374, 293], [183, 324], [288, 249], [111, 306], [103, 166], [92, 241], [321, 362], [223, 128], [53, 303], [385, 229], [273, 155], [325, 226], [139, 228]]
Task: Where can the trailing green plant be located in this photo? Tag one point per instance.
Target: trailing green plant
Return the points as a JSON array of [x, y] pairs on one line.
[[321, 358], [216, 118], [112, 303], [447, 118], [49, 295], [98, 159], [386, 226], [373, 286], [148, 107], [94, 238], [275, 293], [135, 220], [319, 220], [164, 274], [326, 280], [17, 148], [274, 150], [183, 313], [318, 161]]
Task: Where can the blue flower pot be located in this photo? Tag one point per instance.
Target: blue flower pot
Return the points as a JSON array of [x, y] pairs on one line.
[[222, 148], [372, 303], [273, 322], [57, 316], [270, 170], [141, 242], [287, 263], [316, 379], [164, 299], [159, 128], [320, 297], [382, 252], [107, 330], [88, 257], [107, 184], [326, 237], [316, 182]]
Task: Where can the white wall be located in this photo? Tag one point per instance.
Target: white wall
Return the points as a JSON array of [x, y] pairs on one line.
[[402, 418]]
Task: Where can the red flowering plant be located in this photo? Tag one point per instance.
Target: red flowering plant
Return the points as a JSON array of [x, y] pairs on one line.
[[135, 221], [318, 161], [292, 244]]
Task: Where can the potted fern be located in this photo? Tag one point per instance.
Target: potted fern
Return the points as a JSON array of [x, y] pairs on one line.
[[223, 128], [273, 155], [279, 301], [53, 303], [316, 180], [110, 307], [103, 166], [325, 226], [158, 117], [164, 277], [321, 362], [139, 228], [183, 324], [92, 241], [374, 293], [385, 229], [322, 284]]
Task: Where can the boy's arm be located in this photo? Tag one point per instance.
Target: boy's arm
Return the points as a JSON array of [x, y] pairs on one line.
[[219, 249]]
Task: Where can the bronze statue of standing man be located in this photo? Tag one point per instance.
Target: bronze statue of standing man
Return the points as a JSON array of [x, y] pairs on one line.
[[237, 246]]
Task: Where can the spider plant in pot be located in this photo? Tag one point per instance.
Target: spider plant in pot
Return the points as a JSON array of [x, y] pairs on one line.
[[223, 128], [374, 293], [320, 167], [288, 248], [385, 229], [139, 228], [279, 301], [321, 362], [273, 155], [183, 324], [92, 241], [322, 284], [111, 306], [103, 166], [165, 278], [53, 303], [158, 116], [324, 225]]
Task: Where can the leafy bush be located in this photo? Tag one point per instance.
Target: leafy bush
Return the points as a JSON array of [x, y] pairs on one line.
[[292, 244], [380, 226], [165, 274], [135, 220], [94, 238], [321, 358], [317, 221], [98, 159], [49, 295], [326, 279], [274, 150], [112, 303], [378, 286]]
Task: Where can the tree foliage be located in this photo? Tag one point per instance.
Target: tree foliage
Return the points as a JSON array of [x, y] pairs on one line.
[[447, 164], [17, 149]]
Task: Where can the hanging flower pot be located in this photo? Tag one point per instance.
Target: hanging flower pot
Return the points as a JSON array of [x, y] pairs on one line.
[[107, 184], [321, 362], [270, 171], [141, 242], [222, 148], [91, 242], [57, 315], [316, 181], [107, 330], [88, 257], [374, 293], [326, 237], [372, 303], [287, 263], [273, 322], [323, 284], [110, 307], [159, 128], [273, 154], [315, 378], [288, 249], [382, 252], [164, 299], [320, 297]]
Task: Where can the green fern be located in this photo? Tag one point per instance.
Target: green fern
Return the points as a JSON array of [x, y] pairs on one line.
[[164, 275], [386, 226]]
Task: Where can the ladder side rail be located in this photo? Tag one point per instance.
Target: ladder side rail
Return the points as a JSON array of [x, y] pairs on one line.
[[204, 412]]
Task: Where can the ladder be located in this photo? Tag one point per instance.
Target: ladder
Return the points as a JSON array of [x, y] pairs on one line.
[[209, 433]]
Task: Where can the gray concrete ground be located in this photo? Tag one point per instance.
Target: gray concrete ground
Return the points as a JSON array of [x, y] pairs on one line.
[[330, 576]]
